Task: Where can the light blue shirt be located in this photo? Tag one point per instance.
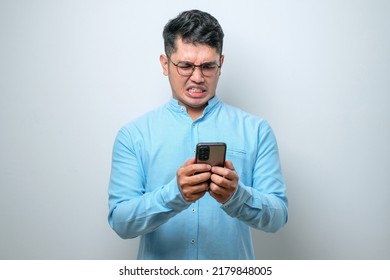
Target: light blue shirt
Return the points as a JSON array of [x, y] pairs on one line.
[[145, 200]]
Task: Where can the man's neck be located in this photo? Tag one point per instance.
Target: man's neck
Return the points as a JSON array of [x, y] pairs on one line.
[[195, 113]]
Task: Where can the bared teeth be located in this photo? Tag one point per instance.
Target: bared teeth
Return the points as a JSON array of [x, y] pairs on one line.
[[195, 90]]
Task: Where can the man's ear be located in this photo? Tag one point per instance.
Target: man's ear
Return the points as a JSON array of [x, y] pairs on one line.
[[164, 64], [221, 59]]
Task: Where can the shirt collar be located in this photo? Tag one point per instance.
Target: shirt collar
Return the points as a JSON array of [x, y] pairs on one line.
[[174, 105]]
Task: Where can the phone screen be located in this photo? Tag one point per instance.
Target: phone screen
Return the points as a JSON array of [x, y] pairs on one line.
[[212, 153]]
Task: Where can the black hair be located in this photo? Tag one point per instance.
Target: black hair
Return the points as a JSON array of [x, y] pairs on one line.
[[194, 27]]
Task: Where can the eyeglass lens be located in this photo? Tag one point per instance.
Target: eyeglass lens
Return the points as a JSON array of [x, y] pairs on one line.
[[187, 68]]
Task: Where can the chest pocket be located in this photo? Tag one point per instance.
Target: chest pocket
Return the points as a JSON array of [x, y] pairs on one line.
[[243, 163]]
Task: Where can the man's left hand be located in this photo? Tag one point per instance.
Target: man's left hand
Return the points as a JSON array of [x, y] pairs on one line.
[[224, 182]]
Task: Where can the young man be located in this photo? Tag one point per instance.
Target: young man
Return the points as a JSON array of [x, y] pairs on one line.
[[180, 208]]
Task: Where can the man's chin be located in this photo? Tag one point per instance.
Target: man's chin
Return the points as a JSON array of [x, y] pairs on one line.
[[196, 104]]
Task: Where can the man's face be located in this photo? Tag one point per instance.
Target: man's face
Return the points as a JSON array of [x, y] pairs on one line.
[[193, 91]]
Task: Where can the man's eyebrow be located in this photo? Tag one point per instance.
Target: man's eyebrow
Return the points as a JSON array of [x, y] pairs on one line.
[[206, 62]]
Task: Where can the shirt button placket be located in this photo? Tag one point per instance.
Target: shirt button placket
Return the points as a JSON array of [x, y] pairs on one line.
[[193, 210], [194, 132], [193, 238]]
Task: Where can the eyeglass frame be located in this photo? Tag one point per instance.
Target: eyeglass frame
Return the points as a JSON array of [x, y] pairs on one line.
[[194, 66]]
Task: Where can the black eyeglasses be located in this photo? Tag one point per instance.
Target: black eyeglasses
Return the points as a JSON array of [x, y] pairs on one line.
[[185, 68]]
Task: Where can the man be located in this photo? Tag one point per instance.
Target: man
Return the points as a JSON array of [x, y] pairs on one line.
[[182, 209]]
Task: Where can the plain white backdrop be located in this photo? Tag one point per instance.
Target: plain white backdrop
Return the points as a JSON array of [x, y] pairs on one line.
[[73, 72]]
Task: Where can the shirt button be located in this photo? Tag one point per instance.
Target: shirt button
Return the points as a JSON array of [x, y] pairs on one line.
[[192, 241], [193, 210], [182, 109]]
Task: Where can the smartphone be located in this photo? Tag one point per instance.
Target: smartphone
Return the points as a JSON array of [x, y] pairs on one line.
[[212, 153]]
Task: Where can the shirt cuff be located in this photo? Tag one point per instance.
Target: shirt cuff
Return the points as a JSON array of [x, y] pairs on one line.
[[240, 196]]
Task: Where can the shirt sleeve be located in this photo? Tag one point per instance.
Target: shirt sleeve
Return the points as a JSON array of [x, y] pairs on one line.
[[264, 204], [132, 210]]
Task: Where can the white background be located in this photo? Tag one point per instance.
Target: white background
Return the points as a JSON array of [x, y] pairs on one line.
[[73, 72]]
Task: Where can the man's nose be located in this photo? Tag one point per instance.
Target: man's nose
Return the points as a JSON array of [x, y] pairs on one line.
[[197, 75]]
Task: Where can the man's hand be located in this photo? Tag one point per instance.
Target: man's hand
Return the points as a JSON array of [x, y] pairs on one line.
[[193, 180], [224, 182]]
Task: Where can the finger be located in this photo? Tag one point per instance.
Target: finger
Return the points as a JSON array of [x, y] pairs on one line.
[[202, 188], [229, 165], [197, 168], [226, 185], [199, 178], [189, 168], [228, 172], [189, 162], [218, 180], [222, 170], [193, 193], [216, 189], [194, 197], [217, 193]]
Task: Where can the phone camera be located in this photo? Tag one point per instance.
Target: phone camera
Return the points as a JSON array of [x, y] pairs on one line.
[[204, 153]]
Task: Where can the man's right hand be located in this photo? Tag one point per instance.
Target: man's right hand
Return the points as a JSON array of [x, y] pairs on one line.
[[193, 179]]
